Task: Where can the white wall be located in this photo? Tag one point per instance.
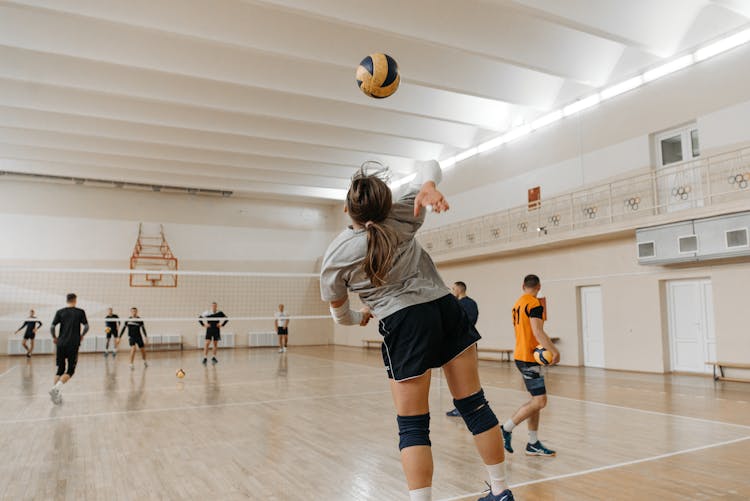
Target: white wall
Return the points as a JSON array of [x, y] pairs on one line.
[[607, 141]]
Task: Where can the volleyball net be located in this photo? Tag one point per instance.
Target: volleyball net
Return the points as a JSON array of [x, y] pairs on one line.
[[249, 300]]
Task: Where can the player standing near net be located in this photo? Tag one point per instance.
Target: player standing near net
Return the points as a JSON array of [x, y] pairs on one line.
[[422, 323], [134, 326], [281, 322], [528, 322], [31, 325], [73, 327], [110, 329], [213, 331]]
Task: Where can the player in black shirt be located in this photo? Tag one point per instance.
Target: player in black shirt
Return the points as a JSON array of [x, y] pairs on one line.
[[213, 330], [110, 329], [31, 325], [134, 326], [70, 320]]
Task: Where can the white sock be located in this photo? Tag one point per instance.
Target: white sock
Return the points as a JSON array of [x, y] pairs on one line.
[[497, 478], [509, 425], [532, 437], [423, 494], [58, 385]]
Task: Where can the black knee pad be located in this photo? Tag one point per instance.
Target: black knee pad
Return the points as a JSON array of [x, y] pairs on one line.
[[476, 413], [413, 430]]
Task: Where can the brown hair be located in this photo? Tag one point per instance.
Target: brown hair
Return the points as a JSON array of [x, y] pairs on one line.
[[369, 202]]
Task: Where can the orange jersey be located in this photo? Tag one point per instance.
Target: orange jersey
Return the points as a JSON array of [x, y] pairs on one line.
[[526, 308]]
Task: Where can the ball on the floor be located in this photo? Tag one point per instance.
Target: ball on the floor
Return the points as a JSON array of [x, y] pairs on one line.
[[542, 356], [180, 373], [377, 75]]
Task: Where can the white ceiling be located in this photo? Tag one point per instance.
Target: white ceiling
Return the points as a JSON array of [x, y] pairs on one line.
[[258, 97]]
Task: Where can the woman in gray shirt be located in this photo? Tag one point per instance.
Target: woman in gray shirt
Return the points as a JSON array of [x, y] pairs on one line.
[[422, 324]]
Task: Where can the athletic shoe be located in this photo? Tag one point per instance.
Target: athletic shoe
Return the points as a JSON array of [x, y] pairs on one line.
[[506, 495], [132, 367], [114, 354], [205, 360], [214, 361], [453, 413], [55, 395], [284, 349], [105, 354], [28, 355], [145, 364], [507, 435], [281, 350], [538, 449]]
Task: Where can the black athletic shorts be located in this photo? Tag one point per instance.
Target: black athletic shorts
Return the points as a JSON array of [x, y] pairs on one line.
[[112, 333], [213, 335], [136, 340], [282, 331], [425, 336], [532, 377], [29, 335], [66, 353]]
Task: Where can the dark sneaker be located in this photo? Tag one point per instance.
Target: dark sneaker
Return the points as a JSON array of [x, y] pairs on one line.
[[204, 361], [453, 413], [214, 361], [538, 449], [506, 495], [507, 435]]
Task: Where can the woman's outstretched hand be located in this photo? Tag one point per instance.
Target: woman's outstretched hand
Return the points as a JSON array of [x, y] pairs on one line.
[[429, 196]]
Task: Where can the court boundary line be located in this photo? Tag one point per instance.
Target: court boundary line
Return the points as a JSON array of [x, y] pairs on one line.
[[188, 407], [8, 370], [623, 407], [607, 467]]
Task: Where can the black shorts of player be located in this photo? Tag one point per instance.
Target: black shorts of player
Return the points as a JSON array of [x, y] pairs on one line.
[[29, 335], [112, 333], [282, 331], [213, 335], [425, 336], [136, 340], [66, 358], [532, 377]]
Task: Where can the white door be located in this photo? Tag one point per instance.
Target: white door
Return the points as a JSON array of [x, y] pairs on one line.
[[593, 326], [692, 340]]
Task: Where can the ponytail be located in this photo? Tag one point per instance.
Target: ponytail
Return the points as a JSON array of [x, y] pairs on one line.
[[381, 249], [369, 203]]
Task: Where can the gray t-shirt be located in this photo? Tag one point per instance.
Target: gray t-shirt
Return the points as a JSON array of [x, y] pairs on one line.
[[412, 280]]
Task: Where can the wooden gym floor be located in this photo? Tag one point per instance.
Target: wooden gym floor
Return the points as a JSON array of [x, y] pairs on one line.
[[318, 423]]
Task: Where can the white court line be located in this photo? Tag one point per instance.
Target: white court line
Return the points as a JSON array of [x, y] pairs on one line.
[[189, 407], [635, 409], [7, 371], [184, 386], [608, 467]]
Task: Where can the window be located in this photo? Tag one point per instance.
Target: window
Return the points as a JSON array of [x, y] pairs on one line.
[[677, 145]]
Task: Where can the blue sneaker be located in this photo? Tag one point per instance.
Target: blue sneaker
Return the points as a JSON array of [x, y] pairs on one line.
[[507, 435], [453, 413], [506, 495], [538, 449]]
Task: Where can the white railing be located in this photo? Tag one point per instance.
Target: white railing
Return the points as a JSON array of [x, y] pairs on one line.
[[699, 183]]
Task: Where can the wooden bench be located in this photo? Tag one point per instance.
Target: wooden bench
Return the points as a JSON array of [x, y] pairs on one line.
[[505, 354], [367, 342], [728, 365]]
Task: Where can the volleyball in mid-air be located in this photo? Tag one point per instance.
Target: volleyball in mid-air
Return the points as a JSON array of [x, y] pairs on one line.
[[377, 75]]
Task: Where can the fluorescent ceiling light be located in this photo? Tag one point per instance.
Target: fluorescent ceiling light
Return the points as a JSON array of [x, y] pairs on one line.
[[448, 163], [622, 87], [547, 119], [670, 67], [466, 154], [516, 133], [581, 105], [723, 45], [404, 180], [491, 144]]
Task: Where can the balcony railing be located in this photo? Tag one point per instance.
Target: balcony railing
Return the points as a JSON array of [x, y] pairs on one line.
[[714, 180]]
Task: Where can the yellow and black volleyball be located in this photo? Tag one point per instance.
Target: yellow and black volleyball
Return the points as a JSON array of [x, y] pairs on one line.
[[377, 75]]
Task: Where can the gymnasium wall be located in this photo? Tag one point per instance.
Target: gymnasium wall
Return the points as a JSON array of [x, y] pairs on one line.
[[68, 226], [611, 140]]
